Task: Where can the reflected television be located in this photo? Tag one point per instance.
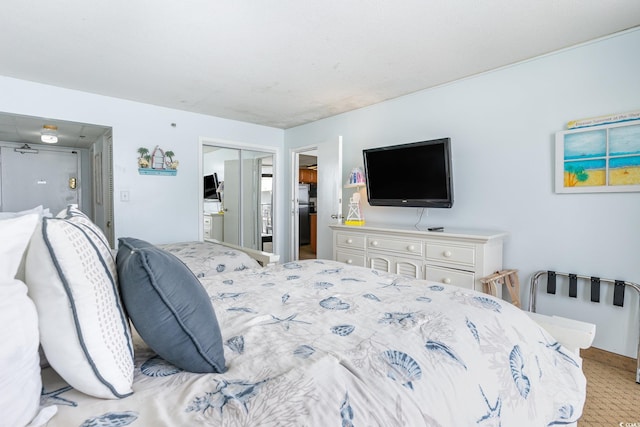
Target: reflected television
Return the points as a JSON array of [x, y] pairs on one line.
[[417, 174], [211, 186]]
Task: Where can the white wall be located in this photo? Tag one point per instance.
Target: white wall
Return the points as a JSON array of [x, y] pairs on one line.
[[502, 126], [213, 161], [161, 208]]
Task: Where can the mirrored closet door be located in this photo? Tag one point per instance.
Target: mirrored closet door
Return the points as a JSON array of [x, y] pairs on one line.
[[238, 196]]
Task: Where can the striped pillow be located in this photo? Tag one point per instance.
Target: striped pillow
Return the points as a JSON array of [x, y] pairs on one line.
[[72, 278]]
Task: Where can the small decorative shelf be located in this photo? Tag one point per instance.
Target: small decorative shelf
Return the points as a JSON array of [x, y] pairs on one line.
[[356, 180], [150, 171]]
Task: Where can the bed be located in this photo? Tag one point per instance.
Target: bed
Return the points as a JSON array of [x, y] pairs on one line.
[[318, 343]]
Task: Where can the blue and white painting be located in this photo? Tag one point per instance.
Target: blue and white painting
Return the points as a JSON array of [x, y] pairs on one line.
[[605, 157]]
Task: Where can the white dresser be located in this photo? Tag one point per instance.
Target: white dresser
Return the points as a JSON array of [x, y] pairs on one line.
[[453, 256], [214, 226]]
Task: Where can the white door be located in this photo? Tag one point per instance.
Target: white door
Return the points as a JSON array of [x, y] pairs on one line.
[[329, 199], [250, 200], [103, 187], [231, 201], [48, 178]]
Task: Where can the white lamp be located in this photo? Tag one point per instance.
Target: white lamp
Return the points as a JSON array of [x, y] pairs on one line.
[[49, 134], [356, 180]]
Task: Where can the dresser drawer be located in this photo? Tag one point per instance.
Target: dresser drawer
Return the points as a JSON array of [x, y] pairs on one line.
[[207, 226], [350, 258], [404, 247], [450, 277], [465, 255], [348, 240]]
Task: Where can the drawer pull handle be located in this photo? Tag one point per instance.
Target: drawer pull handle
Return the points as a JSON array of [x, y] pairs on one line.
[[446, 281], [411, 248], [374, 243], [349, 261], [447, 254], [349, 241]]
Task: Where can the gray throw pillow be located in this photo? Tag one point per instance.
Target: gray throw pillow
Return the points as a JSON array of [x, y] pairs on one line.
[[169, 307]]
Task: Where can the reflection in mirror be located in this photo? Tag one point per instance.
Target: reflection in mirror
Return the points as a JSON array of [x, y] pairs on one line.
[[255, 201], [239, 211], [266, 203], [221, 208]]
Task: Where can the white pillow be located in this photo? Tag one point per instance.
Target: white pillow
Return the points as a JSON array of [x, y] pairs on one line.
[[14, 236], [70, 211], [20, 381], [37, 210], [71, 275]]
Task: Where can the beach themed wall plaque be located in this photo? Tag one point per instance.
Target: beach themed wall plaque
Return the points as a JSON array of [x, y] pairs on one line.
[[156, 162], [598, 159]]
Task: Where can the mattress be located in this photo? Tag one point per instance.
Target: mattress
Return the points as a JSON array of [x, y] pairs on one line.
[[318, 343]]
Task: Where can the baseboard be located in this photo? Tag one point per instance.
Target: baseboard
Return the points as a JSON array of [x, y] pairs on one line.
[[611, 359]]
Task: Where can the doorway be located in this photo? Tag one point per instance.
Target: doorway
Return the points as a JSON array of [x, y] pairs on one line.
[[82, 158], [306, 204], [328, 201]]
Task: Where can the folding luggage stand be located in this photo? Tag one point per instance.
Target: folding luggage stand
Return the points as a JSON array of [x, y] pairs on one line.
[[618, 294]]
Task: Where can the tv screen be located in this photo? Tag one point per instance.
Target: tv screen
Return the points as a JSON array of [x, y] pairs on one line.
[[415, 175], [211, 186]]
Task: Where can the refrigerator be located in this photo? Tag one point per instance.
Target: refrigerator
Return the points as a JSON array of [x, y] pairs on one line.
[[304, 228]]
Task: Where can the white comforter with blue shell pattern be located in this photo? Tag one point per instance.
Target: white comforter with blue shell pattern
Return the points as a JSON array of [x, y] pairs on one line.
[[319, 343], [208, 258]]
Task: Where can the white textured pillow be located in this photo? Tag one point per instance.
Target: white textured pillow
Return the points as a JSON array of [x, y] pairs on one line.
[[37, 210], [71, 275], [20, 381], [14, 237], [72, 211]]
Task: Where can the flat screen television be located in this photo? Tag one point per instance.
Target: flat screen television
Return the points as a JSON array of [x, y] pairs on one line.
[[417, 174], [211, 186]]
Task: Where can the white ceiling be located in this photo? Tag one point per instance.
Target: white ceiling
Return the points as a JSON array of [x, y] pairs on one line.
[[28, 129], [288, 62]]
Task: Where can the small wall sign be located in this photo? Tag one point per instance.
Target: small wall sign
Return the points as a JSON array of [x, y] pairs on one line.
[[158, 162]]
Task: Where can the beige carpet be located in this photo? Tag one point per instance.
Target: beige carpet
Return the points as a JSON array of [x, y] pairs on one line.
[[613, 396], [305, 252]]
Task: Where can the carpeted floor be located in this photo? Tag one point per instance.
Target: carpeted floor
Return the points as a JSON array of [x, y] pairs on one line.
[[306, 252], [613, 396]]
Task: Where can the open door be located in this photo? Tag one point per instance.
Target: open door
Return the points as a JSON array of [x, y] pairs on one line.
[[329, 196], [103, 187], [329, 206]]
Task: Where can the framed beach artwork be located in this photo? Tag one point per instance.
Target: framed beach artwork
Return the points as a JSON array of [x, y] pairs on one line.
[[598, 159]]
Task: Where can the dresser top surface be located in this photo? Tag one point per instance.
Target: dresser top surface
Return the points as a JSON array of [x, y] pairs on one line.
[[447, 232]]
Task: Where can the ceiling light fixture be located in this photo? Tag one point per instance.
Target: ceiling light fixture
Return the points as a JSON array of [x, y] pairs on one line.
[[49, 134]]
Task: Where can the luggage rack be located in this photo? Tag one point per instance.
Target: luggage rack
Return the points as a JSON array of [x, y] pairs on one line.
[[618, 294]]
